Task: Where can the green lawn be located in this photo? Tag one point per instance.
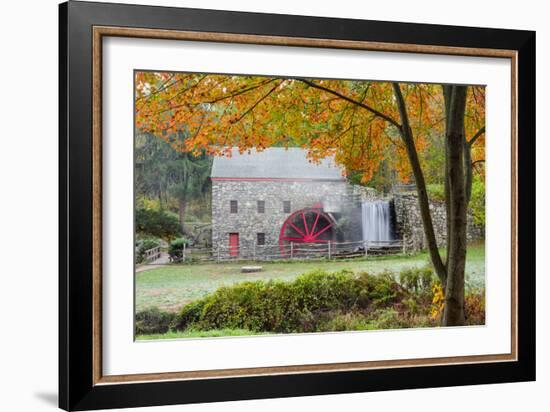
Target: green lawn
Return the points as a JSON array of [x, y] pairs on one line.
[[170, 287], [186, 334]]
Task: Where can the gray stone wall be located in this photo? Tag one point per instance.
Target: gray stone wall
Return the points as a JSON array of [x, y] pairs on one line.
[[248, 222], [364, 193], [408, 222]]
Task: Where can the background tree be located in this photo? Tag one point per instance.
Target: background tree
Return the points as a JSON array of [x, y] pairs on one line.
[[352, 120], [189, 179], [163, 172], [150, 168]]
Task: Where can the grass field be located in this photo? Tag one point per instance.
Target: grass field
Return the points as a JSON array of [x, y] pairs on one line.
[[186, 334], [170, 287]]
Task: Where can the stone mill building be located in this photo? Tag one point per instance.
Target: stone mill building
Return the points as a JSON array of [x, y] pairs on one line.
[[276, 202], [263, 200]]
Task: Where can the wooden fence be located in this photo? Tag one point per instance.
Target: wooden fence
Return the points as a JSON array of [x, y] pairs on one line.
[[150, 255], [294, 251]]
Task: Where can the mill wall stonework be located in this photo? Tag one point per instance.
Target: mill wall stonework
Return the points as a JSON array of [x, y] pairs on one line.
[[248, 222], [408, 223]]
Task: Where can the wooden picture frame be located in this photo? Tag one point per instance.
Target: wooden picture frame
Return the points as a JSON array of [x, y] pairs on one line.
[[82, 385]]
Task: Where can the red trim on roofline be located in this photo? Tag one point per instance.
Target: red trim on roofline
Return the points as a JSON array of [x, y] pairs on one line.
[[274, 179]]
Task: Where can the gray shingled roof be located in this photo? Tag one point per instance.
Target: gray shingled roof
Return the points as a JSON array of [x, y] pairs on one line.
[[275, 163]]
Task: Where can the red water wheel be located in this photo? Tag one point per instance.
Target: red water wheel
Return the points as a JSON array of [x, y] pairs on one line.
[[310, 226]]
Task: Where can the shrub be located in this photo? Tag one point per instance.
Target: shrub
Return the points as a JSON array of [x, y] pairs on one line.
[[474, 308], [474, 305], [477, 202], [382, 289], [190, 314], [157, 223], [388, 318], [438, 301], [153, 321], [417, 281], [436, 191], [317, 302], [176, 249], [285, 307], [344, 321], [143, 245]]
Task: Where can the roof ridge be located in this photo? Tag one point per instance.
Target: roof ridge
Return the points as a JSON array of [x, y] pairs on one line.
[[268, 163]]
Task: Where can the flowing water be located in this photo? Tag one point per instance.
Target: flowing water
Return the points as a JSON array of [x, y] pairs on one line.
[[376, 220]]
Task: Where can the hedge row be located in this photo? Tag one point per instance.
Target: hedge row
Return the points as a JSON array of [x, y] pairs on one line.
[[316, 302], [301, 305]]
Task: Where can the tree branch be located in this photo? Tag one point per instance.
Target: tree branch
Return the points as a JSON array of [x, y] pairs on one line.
[[350, 100], [185, 90], [241, 91], [476, 136], [259, 101], [423, 201]]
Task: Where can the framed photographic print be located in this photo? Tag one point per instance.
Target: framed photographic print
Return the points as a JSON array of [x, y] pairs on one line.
[[259, 205]]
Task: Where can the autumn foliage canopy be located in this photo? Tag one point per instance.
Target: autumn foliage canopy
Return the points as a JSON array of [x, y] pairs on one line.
[[356, 121]]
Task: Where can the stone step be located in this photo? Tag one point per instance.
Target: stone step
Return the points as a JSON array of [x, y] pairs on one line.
[[251, 269]]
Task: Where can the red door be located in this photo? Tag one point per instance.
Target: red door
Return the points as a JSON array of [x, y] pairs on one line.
[[234, 244]]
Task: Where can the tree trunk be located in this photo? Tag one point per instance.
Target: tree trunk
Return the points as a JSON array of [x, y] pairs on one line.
[[408, 140], [468, 170], [161, 205], [447, 98], [182, 204], [453, 314]]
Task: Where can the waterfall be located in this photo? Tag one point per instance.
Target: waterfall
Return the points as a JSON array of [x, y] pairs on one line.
[[376, 221]]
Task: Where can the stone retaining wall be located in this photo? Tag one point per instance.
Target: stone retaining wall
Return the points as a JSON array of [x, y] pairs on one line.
[[248, 222], [408, 222]]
